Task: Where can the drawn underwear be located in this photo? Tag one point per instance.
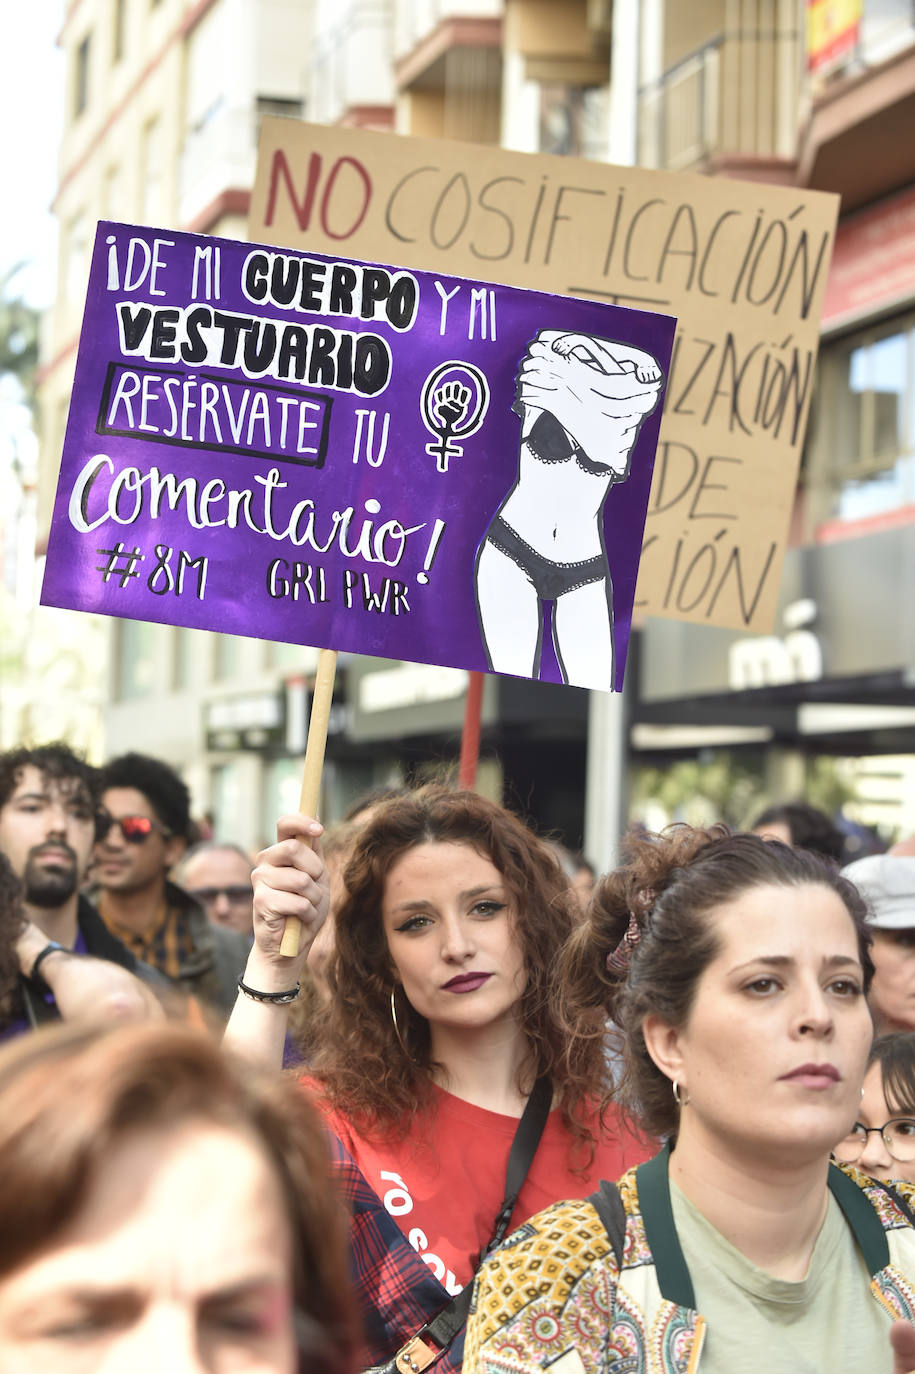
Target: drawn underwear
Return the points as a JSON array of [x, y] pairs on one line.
[[549, 443]]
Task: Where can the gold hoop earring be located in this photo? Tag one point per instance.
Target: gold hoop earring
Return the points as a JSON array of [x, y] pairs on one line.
[[400, 1039], [681, 1098]]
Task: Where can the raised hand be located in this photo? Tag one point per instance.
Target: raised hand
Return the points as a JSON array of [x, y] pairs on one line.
[[450, 404], [290, 880]]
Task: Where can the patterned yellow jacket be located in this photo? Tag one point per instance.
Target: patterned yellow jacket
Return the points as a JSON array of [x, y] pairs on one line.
[[553, 1296]]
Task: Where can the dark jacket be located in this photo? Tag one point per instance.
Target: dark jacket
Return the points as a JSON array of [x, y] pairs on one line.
[[100, 944], [211, 971], [219, 957]]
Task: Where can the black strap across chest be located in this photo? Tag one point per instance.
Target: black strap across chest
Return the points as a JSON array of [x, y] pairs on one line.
[[445, 1326]]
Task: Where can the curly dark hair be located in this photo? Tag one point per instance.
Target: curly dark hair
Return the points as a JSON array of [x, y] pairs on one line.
[[12, 919], [663, 893], [55, 761], [366, 1071], [166, 793], [808, 827]]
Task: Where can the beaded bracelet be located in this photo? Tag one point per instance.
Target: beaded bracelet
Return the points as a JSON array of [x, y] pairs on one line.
[[278, 998]]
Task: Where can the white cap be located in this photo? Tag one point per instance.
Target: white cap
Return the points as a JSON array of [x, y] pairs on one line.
[[887, 884]]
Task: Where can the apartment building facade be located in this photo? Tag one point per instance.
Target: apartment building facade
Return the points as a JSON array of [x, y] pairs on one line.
[[163, 103], [836, 677]]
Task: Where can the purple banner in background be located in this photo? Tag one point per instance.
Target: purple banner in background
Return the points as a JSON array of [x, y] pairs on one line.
[[357, 457]]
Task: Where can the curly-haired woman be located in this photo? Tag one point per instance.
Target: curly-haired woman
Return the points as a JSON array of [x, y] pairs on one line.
[[442, 1021]]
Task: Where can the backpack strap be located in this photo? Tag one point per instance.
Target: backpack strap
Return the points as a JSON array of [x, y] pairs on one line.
[[608, 1204], [898, 1200], [862, 1217]]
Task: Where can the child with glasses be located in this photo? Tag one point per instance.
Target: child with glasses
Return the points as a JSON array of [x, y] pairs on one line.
[[882, 1141]]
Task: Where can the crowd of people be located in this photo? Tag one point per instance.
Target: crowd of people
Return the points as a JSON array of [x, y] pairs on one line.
[[496, 1113]]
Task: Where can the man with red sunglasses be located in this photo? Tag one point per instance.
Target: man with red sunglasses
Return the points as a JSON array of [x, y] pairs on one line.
[[70, 965], [144, 831]]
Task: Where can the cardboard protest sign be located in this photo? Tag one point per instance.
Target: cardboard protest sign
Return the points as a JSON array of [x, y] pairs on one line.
[[357, 457], [742, 265]]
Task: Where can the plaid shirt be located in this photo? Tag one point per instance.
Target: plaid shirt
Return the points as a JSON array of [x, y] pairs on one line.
[[167, 946], [397, 1292], [202, 959]]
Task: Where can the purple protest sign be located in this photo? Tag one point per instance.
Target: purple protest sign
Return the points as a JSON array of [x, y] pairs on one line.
[[357, 457]]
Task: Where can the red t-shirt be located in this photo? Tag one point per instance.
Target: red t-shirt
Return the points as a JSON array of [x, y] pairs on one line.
[[445, 1188]]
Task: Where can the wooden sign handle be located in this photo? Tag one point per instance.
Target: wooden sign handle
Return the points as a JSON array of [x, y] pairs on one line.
[[470, 735], [314, 763]]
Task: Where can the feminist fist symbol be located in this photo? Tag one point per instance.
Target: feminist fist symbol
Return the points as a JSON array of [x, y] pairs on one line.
[[450, 405], [452, 410]]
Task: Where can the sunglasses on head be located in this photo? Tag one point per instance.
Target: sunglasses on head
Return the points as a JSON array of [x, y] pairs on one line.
[[135, 829]]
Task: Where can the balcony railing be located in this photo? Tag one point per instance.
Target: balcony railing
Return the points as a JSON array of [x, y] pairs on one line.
[[738, 95], [350, 61], [219, 152], [678, 115], [415, 20]]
